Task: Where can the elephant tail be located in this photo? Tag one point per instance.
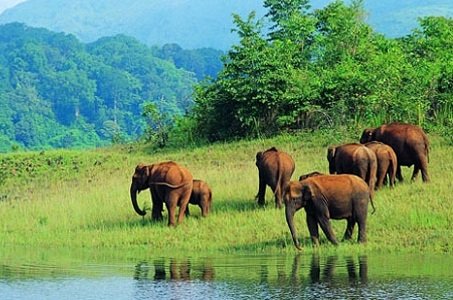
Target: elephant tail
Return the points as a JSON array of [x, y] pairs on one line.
[[173, 186], [372, 169], [372, 204], [277, 191], [425, 138]]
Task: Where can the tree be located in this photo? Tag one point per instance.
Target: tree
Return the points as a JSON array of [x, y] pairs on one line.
[[158, 123]]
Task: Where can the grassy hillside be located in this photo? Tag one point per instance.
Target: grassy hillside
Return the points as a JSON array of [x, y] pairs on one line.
[[71, 199]]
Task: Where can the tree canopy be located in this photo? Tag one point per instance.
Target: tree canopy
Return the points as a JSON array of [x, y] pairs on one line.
[[313, 68], [58, 92]]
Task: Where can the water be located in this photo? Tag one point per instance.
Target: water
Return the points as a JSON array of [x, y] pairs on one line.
[[298, 276]]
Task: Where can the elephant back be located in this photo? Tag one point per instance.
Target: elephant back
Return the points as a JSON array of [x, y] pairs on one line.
[[408, 141], [171, 173]]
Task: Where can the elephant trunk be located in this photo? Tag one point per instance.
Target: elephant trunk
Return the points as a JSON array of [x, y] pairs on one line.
[[290, 211], [137, 209]]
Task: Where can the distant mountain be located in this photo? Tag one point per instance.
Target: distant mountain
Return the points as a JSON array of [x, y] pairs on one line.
[[5, 4], [190, 23]]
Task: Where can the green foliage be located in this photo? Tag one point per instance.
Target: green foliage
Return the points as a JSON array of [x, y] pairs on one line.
[[318, 68], [56, 92], [158, 125]]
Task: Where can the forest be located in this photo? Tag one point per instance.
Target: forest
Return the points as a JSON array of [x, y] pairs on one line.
[[56, 92], [296, 68], [302, 69]]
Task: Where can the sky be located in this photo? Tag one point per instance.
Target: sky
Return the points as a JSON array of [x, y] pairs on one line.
[[5, 4]]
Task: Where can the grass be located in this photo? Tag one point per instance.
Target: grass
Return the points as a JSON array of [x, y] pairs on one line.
[[80, 200]]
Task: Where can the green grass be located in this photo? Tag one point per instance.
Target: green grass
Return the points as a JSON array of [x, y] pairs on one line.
[[80, 200]]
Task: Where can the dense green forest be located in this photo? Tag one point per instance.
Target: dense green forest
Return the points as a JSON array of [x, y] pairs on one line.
[[58, 92], [298, 69], [295, 68]]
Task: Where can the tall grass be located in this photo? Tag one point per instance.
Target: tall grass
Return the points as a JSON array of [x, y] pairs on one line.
[[89, 206]]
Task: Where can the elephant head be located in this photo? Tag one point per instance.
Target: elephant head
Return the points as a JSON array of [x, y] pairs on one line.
[[139, 182], [368, 135], [297, 195], [331, 151]]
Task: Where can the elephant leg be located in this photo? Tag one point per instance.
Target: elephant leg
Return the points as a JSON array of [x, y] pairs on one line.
[[361, 238], [424, 168], [183, 205], [398, 173], [381, 174], [158, 205], [278, 195], [326, 227], [312, 224], [415, 172], [349, 229], [204, 205], [261, 192], [171, 203], [391, 176]]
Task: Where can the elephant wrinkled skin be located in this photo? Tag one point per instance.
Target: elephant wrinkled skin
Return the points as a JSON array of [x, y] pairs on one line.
[[354, 159], [386, 161], [326, 197], [169, 183], [275, 169], [409, 142]]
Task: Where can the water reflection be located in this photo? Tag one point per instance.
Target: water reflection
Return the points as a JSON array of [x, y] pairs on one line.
[[233, 277], [177, 270], [328, 273]]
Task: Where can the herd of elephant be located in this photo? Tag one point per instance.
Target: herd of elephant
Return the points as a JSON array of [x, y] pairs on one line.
[[356, 171]]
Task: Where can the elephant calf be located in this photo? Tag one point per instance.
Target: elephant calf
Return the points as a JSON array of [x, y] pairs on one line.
[[326, 197], [201, 196], [387, 163]]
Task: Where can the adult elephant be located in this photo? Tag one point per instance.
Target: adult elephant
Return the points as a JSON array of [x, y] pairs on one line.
[[326, 197], [409, 142], [169, 183], [275, 169], [386, 161], [355, 159], [202, 196]]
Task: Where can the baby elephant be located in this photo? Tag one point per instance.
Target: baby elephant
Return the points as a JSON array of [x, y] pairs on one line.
[[201, 196], [326, 197]]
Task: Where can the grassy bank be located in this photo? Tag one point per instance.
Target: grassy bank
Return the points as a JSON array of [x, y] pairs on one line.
[[73, 199]]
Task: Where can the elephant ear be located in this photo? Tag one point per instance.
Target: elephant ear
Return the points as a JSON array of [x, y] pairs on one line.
[[307, 194], [259, 155], [293, 195], [331, 152]]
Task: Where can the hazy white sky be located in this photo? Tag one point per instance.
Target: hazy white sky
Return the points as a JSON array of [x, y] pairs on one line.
[[4, 4]]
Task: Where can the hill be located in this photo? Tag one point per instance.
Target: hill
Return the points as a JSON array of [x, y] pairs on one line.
[[194, 23], [58, 92]]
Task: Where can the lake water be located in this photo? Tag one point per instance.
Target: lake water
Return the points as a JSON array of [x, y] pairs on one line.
[[298, 276]]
